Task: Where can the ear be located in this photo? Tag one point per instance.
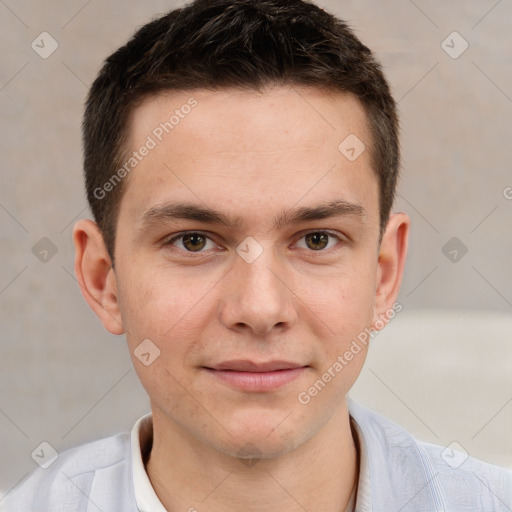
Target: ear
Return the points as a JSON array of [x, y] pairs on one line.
[[95, 275], [391, 262]]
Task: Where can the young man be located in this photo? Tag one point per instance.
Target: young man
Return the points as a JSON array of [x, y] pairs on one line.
[[241, 161]]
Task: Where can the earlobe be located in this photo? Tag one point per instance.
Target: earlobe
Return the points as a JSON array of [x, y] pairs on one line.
[[391, 263], [95, 275]]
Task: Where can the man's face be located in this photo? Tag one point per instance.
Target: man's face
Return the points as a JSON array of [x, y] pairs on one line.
[[273, 289]]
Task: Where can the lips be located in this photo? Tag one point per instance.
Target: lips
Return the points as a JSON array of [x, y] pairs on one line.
[[250, 376], [240, 365]]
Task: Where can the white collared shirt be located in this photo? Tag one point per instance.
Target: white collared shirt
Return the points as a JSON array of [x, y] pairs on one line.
[[145, 495], [147, 500], [397, 472]]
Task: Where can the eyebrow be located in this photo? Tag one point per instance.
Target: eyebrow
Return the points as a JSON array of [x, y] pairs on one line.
[[194, 212]]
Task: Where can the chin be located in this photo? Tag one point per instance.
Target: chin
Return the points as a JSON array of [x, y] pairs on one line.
[[263, 436], [251, 448]]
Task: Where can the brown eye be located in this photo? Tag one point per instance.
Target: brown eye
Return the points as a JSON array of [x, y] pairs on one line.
[[317, 241], [193, 241]]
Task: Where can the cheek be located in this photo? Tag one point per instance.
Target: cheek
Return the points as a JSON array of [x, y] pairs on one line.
[[170, 317], [345, 307], [160, 304], [344, 302], [172, 312]]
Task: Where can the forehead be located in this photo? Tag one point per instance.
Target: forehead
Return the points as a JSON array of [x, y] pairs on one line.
[[279, 114], [232, 147]]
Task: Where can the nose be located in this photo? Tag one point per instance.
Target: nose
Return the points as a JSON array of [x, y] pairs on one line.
[[256, 297]]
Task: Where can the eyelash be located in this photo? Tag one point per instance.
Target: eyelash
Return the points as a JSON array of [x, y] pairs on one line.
[[181, 235]]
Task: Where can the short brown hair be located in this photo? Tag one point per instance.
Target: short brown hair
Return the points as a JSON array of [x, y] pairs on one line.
[[214, 44]]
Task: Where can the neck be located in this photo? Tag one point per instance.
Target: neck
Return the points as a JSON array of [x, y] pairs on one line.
[[320, 474]]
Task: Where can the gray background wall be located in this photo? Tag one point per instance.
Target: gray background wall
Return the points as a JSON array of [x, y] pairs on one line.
[[64, 380]]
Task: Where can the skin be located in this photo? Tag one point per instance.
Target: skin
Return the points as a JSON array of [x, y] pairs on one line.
[[251, 155]]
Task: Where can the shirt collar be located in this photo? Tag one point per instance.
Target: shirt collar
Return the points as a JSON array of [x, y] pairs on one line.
[[141, 440], [145, 495]]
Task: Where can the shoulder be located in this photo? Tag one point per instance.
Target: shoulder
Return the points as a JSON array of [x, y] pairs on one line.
[[466, 482], [407, 470], [80, 475]]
